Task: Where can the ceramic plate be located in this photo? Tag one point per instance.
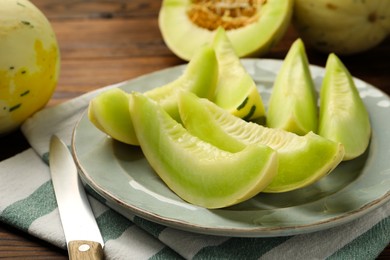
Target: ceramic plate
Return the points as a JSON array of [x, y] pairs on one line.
[[121, 175]]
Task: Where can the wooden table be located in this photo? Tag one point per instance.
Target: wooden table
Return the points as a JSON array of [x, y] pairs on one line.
[[107, 41]]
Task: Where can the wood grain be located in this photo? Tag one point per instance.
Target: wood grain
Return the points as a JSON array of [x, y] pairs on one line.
[[85, 250], [104, 42], [17, 244]]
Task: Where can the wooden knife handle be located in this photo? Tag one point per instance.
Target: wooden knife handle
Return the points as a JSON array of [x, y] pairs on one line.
[[81, 249]]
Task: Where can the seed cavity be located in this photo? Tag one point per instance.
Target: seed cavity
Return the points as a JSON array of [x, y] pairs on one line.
[[229, 14]]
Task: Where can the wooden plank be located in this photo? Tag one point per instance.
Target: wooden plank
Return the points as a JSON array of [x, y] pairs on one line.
[[85, 39], [17, 244], [97, 9]]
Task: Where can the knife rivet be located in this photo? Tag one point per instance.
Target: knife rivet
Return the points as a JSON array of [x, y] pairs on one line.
[[84, 248]]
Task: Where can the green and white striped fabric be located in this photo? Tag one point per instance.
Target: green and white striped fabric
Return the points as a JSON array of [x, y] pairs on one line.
[[27, 202]]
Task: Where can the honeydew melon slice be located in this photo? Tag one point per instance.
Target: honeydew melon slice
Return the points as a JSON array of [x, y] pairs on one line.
[[343, 115], [200, 77], [109, 111], [302, 159], [293, 102], [197, 171], [236, 90], [252, 26]]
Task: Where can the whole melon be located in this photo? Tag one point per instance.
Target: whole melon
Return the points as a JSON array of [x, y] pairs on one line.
[[343, 27], [253, 26], [29, 62]]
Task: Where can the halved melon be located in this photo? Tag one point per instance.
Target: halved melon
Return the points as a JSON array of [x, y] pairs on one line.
[[109, 111], [343, 115], [252, 26], [293, 102], [302, 159], [197, 171], [236, 90]]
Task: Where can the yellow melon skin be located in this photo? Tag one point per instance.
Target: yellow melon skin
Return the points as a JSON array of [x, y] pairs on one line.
[[29, 63], [183, 37], [343, 27]]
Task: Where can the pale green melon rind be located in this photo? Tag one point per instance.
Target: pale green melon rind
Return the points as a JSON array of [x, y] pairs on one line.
[[195, 170], [109, 112], [343, 115], [292, 105], [319, 157], [183, 37], [302, 159], [236, 90]]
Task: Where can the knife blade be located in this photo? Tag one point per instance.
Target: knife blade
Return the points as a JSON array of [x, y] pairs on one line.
[[82, 234]]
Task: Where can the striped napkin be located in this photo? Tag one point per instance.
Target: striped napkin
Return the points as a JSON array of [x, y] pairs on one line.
[[27, 202]]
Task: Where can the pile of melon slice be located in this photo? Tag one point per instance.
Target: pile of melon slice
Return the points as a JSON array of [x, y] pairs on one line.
[[198, 135]]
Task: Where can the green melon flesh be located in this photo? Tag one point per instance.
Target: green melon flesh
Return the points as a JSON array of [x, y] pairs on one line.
[[109, 111], [236, 90], [343, 115], [200, 78], [183, 37], [197, 171], [302, 159], [292, 105]]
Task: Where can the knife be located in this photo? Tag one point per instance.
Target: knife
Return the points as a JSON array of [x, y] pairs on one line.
[[82, 234]]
